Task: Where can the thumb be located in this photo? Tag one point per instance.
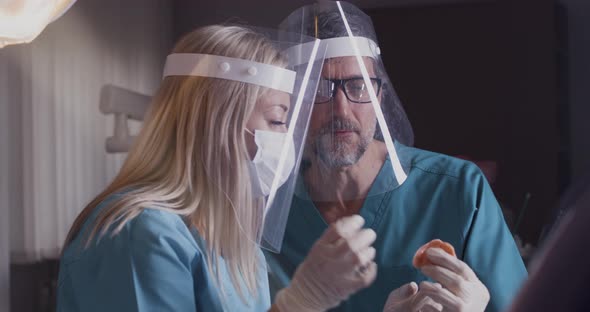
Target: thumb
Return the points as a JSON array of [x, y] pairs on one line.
[[403, 292]]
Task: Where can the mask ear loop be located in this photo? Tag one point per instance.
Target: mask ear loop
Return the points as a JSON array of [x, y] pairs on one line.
[[248, 130]]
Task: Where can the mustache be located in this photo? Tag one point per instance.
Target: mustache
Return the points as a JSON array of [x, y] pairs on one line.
[[339, 124]]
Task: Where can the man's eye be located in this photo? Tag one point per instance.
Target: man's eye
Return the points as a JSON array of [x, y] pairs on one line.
[[277, 123]]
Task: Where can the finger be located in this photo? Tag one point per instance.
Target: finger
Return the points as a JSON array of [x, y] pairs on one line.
[[358, 261], [342, 228], [368, 276], [403, 292], [348, 227], [426, 285], [430, 285], [428, 304], [445, 277], [439, 257], [435, 307], [362, 240], [443, 296], [356, 243], [366, 257]]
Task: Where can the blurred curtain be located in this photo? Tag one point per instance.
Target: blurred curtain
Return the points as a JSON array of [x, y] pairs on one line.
[[8, 114], [53, 134]]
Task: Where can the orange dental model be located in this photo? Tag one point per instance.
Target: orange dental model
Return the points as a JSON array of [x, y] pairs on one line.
[[420, 258]]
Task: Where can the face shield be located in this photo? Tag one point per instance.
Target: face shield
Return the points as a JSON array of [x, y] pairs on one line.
[[290, 90], [358, 119]]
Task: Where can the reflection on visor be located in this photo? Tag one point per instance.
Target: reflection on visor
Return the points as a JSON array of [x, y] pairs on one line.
[[398, 171]]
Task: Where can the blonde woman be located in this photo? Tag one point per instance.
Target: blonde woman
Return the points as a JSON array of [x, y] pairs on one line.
[[180, 227]]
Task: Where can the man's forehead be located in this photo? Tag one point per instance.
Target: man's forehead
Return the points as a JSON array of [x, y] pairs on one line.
[[346, 66]]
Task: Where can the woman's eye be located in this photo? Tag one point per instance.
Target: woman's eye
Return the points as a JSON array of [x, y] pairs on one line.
[[278, 124]]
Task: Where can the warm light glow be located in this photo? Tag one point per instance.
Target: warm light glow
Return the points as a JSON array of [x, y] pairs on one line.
[[21, 21]]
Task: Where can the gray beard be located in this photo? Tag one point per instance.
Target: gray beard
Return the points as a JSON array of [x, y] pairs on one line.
[[337, 153], [340, 153]]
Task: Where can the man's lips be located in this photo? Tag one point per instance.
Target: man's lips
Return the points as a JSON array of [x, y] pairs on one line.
[[342, 132]]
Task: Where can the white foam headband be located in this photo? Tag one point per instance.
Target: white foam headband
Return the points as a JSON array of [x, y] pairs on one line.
[[215, 66], [336, 47]]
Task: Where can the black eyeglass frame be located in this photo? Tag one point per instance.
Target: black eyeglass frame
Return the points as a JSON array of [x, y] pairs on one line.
[[339, 83]]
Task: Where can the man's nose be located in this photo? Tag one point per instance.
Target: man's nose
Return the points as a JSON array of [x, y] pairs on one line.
[[340, 104]]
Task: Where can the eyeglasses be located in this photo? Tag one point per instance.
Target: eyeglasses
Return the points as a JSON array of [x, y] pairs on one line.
[[355, 89]]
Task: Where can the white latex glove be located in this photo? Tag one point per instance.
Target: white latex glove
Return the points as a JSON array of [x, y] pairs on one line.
[[461, 290], [408, 298], [339, 264]]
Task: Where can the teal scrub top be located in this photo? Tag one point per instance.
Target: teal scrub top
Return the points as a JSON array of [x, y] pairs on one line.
[[443, 197], [156, 263]]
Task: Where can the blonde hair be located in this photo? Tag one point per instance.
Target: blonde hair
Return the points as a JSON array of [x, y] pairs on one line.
[[190, 158]]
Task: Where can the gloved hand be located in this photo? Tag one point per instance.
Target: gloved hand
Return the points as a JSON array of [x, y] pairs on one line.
[[408, 298], [461, 289], [339, 264]]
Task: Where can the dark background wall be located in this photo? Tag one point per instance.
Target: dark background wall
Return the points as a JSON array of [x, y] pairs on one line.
[[189, 14], [479, 80], [577, 36]]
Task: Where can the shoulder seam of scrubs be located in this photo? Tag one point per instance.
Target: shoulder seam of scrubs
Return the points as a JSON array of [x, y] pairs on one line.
[[466, 233], [436, 172], [469, 231], [477, 207]]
